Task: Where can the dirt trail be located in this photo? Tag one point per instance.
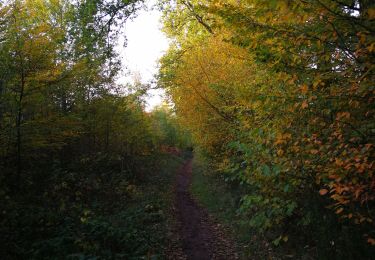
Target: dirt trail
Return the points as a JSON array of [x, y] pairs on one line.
[[200, 237]]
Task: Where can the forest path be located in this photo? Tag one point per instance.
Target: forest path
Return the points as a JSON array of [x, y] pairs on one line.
[[201, 238]]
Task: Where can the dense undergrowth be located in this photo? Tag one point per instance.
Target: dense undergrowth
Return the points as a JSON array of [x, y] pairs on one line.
[[91, 211], [321, 239]]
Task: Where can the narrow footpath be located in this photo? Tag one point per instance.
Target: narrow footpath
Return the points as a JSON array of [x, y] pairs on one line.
[[200, 237]]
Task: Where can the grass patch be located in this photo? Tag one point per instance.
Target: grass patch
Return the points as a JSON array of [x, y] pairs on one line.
[[222, 200], [214, 194]]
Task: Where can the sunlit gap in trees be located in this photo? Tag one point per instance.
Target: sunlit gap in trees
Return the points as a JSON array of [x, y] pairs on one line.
[[140, 46]]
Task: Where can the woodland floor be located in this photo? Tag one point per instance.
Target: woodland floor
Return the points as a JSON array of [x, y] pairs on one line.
[[198, 235]]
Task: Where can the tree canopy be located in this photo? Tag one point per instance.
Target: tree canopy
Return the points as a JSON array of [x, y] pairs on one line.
[[279, 94]]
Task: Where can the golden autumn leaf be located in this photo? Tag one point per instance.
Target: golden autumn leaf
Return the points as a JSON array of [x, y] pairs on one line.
[[339, 210], [371, 47], [304, 89], [287, 136], [371, 13], [343, 115], [339, 162], [323, 192]]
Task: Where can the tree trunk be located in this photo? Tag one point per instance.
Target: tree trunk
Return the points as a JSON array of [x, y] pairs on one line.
[[18, 124]]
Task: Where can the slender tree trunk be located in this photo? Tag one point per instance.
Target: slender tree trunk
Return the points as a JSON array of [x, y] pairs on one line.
[[364, 5], [18, 124], [2, 107], [107, 133]]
